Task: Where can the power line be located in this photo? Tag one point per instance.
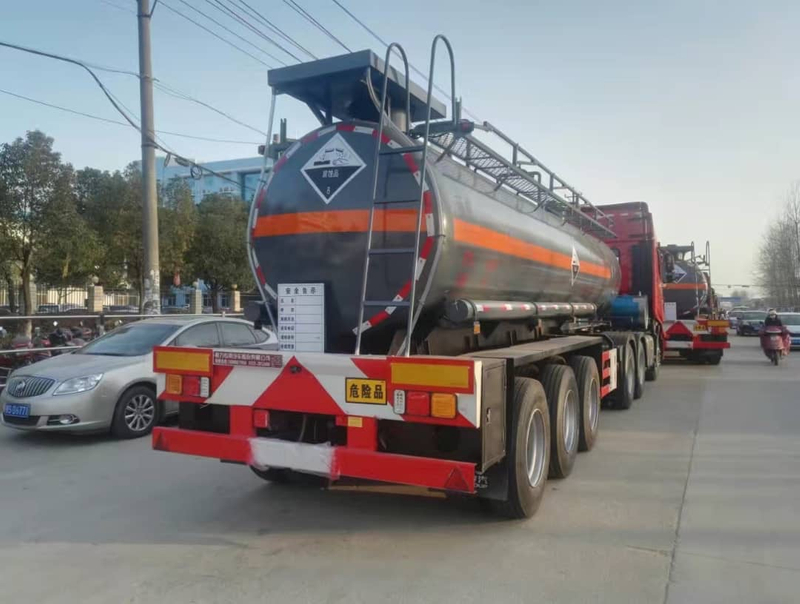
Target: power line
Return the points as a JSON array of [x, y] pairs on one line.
[[118, 7], [216, 35], [272, 27], [232, 14], [308, 17], [119, 122], [412, 67], [117, 105], [183, 96]]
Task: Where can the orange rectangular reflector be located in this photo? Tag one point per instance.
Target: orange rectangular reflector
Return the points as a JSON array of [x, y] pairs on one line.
[[443, 405], [182, 360], [431, 375], [174, 384]]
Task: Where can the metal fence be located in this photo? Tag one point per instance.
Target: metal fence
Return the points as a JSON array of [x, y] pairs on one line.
[[60, 299]]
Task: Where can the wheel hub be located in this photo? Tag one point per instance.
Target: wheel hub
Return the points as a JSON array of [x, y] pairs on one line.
[[535, 448], [140, 412]]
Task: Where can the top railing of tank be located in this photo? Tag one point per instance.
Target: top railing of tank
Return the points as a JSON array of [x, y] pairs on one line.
[[523, 174]]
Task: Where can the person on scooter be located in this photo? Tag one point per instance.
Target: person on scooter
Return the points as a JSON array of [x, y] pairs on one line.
[[773, 320]]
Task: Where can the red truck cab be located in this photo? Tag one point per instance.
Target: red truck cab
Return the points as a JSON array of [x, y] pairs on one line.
[[637, 250]]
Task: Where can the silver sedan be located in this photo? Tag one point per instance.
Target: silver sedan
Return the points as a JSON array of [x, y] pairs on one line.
[[109, 383]]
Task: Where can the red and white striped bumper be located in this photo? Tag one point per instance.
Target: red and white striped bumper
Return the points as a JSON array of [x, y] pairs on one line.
[[322, 460]]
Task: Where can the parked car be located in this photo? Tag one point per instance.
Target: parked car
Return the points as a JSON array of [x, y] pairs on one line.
[[109, 383], [47, 309], [791, 320], [750, 322]]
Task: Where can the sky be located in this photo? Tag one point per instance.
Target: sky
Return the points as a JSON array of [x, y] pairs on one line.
[[689, 105]]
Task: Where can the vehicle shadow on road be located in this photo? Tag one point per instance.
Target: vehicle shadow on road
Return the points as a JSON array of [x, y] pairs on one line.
[[59, 439]]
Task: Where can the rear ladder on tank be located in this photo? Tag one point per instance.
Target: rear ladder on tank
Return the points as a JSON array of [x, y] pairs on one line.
[[423, 133]]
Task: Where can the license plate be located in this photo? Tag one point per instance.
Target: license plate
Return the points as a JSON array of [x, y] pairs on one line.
[[17, 410], [699, 327], [371, 392]]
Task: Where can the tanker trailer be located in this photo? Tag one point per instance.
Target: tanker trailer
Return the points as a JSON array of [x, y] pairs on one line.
[[693, 331], [444, 308]]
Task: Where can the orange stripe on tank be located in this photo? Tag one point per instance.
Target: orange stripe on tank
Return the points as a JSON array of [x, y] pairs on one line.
[[478, 236], [340, 221]]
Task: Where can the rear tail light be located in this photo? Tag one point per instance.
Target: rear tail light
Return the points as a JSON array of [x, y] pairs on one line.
[[443, 405], [418, 403], [191, 385], [174, 384], [188, 385]]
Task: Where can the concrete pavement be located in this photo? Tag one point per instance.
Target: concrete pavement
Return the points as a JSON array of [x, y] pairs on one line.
[[688, 497]]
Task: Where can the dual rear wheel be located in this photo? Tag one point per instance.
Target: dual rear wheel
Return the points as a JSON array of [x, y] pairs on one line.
[[553, 418]]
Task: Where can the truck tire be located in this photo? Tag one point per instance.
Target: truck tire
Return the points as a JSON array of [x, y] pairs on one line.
[[651, 375], [714, 358], [622, 397], [563, 401], [588, 379], [641, 366], [528, 453]]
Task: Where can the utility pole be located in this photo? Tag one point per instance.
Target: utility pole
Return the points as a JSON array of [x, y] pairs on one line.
[[151, 277]]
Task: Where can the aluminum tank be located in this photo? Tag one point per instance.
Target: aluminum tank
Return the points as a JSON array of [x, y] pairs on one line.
[[688, 289], [479, 242]]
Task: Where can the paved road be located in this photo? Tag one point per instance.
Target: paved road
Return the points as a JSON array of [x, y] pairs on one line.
[[691, 496]]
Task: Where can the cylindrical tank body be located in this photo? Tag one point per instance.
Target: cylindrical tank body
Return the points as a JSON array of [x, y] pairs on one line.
[[478, 241], [688, 289]]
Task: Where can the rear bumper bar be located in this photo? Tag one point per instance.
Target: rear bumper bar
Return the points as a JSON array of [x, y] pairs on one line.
[[324, 460]]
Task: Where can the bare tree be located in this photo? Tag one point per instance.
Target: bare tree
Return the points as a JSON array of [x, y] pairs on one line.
[[778, 265]]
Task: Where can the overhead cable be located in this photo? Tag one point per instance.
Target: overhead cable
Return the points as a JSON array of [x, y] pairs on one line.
[[233, 14], [216, 35], [119, 122], [272, 27], [308, 17], [117, 105]]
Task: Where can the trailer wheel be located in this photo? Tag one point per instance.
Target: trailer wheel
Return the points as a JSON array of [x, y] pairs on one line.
[[622, 397], [563, 403], [714, 358], [588, 379], [528, 453], [651, 375], [641, 365]]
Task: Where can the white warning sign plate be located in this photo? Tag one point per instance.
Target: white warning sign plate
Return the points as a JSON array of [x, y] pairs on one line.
[[332, 167], [301, 317]]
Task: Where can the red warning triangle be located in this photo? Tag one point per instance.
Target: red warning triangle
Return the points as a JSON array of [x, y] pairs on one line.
[[296, 389], [456, 482], [679, 328]]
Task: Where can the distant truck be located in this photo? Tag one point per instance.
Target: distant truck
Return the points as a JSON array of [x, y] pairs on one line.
[[450, 317], [695, 329]]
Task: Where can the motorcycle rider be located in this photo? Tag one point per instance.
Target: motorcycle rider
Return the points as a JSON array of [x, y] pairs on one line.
[[773, 320]]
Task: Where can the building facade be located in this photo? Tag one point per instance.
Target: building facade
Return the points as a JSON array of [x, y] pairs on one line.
[[239, 177]]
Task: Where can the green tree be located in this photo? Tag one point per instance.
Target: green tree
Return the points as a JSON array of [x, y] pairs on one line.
[[73, 249], [111, 204], [177, 221], [34, 179], [218, 252]]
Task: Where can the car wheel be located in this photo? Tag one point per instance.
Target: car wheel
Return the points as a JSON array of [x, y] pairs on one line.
[[136, 413]]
